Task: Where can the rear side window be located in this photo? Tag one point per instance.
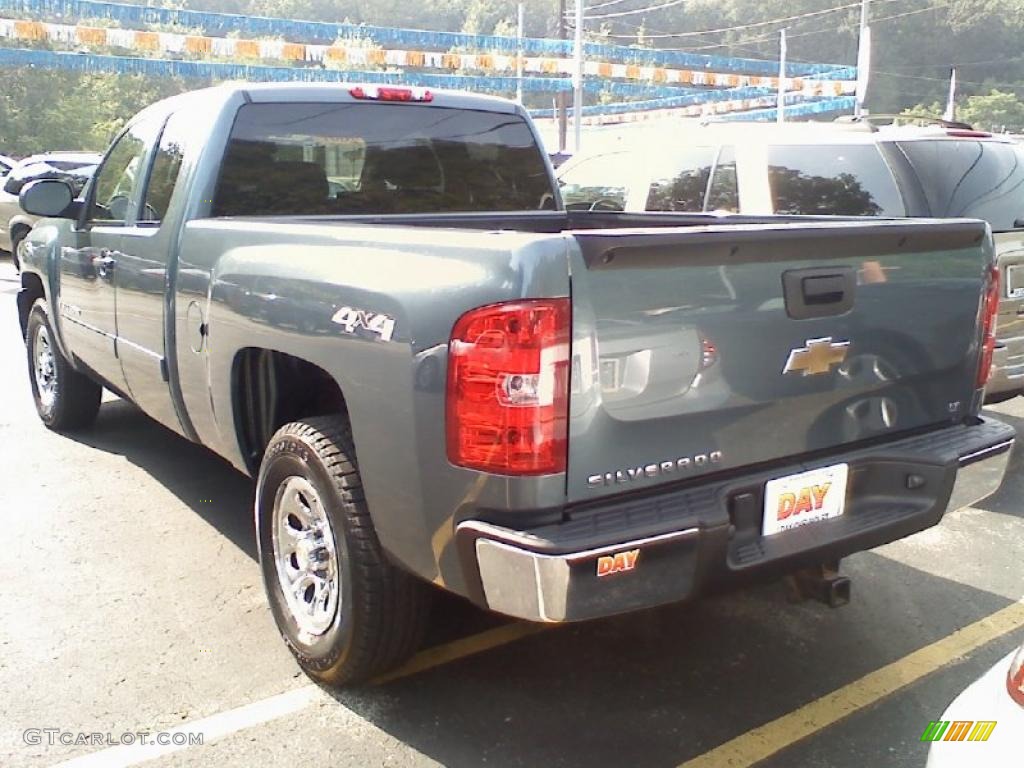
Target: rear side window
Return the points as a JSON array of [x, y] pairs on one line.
[[839, 180], [307, 159], [599, 183], [972, 179], [166, 165]]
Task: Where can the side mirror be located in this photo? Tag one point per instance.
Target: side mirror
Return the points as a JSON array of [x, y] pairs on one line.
[[47, 197]]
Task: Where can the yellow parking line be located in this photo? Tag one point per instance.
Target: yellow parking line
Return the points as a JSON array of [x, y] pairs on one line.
[[764, 741], [458, 649]]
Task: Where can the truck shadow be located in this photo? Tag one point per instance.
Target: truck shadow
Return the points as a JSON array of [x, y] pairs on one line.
[[654, 688], [663, 686], [189, 471], [196, 475]]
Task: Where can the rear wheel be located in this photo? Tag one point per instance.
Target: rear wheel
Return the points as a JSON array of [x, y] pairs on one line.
[[345, 612], [65, 399]]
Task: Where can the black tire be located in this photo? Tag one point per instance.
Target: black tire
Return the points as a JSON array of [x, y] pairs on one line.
[[69, 400], [382, 612], [17, 235]]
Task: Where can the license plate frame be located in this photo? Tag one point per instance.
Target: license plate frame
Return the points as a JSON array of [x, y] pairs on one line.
[[804, 498]]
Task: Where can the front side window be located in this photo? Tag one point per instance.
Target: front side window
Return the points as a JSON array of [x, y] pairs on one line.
[[836, 180], [971, 179], [118, 183], [599, 183], [377, 158], [684, 186]]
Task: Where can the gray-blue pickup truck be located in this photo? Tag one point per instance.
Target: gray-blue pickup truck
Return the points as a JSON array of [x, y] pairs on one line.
[[372, 300]]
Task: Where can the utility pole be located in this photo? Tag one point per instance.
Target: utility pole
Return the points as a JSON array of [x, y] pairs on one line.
[[561, 100], [780, 106], [578, 79], [519, 57], [950, 113], [863, 60]]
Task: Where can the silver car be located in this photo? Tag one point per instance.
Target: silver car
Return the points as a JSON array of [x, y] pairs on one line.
[[74, 167]]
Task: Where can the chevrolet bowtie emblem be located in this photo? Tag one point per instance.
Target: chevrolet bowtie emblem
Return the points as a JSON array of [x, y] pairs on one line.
[[817, 357]]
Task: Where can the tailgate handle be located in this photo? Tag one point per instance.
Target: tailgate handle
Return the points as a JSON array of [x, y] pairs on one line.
[[819, 291], [827, 289]]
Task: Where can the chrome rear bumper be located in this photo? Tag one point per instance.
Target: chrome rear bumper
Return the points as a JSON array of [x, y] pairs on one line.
[[979, 475], [641, 552]]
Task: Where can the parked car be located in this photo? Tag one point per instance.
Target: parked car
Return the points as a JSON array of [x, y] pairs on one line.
[[74, 167], [6, 163], [989, 714], [829, 168], [438, 376]]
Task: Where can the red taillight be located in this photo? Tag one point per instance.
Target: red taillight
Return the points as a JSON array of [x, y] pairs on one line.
[[508, 388], [989, 310], [1015, 678], [383, 93]]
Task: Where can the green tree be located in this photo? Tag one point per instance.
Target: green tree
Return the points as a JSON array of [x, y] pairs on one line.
[[994, 111]]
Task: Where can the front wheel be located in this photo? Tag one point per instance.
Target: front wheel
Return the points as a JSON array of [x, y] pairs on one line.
[[65, 399], [345, 612]]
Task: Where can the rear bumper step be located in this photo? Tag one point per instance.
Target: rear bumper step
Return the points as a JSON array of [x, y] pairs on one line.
[[663, 548]]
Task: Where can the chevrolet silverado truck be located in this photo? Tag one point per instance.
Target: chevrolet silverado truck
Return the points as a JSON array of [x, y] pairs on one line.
[[372, 300]]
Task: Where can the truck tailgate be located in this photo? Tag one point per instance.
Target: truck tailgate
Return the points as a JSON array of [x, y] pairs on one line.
[[695, 351]]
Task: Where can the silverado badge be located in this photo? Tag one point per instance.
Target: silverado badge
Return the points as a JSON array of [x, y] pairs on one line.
[[818, 356]]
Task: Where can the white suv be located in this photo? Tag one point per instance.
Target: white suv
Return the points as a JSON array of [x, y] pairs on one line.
[[827, 169]]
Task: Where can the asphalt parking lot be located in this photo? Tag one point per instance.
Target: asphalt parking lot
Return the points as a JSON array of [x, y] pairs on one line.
[[131, 602]]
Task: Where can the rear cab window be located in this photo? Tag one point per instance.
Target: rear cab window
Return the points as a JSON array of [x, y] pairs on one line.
[[970, 179], [832, 179], [367, 158]]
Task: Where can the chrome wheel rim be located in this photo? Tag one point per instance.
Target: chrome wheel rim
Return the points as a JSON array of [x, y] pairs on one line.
[[45, 368], [306, 557]]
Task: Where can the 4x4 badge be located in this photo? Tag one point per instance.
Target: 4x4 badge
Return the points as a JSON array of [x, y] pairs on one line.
[[352, 320], [817, 356]]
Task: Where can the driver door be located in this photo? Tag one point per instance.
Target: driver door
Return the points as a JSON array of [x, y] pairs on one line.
[[87, 303]]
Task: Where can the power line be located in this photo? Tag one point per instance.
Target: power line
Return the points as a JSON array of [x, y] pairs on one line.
[[618, 14], [809, 32], [945, 79], [947, 64], [604, 5], [781, 20]]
